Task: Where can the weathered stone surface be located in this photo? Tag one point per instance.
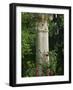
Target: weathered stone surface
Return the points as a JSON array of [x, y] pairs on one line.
[[42, 44]]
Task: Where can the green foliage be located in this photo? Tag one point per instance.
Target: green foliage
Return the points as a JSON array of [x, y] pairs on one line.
[[53, 61], [56, 43], [28, 45]]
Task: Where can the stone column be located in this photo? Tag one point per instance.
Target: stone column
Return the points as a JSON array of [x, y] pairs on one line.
[[42, 43]]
